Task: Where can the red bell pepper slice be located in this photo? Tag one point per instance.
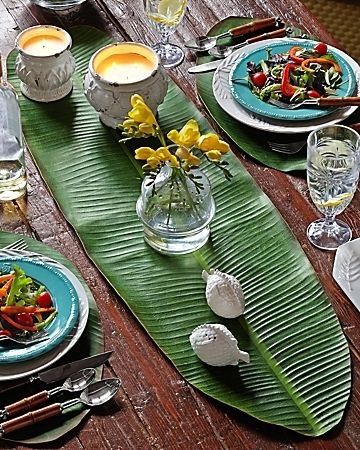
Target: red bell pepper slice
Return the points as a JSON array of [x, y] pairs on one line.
[[287, 89], [321, 61], [293, 57], [17, 325]]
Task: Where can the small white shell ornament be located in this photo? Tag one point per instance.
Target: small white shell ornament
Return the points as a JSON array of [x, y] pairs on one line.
[[215, 345], [224, 294]]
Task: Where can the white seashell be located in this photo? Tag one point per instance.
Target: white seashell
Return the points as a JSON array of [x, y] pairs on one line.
[[224, 294], [215, 345], [346, 270]]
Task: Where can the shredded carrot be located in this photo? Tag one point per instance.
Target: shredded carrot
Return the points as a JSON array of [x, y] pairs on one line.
[[25, 309], [6, 277]]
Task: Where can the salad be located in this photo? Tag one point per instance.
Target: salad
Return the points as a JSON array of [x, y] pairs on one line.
[[25, 307], [296, 75]]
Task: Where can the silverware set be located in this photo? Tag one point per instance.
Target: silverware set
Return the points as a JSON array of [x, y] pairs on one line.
[[205, 43], [79, 378], [210, 43]]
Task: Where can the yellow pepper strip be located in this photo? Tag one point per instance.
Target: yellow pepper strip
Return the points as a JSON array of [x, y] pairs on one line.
[[307, 62]]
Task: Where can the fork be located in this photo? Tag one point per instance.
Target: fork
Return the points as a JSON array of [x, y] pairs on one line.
[[287, 147], [40, 336], [20, 244], [328, 101]]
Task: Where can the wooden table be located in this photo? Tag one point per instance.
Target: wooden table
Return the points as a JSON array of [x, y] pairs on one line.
[[156, 408]]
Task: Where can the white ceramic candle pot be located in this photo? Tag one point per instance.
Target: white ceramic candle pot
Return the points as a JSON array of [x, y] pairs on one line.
[[118, 71], [44, 64]]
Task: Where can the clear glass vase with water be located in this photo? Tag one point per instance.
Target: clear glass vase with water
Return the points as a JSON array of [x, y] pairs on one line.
[[12, 163], [176, 210]]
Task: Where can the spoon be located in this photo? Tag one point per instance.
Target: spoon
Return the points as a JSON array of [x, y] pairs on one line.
[[96, 394], [204, 43], [223, 51], [75, 383]]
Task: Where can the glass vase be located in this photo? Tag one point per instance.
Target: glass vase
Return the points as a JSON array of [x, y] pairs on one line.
[[176, 209]]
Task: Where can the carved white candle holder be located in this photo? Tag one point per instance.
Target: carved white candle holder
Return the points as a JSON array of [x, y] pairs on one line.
[[45, 64], [111, 96]]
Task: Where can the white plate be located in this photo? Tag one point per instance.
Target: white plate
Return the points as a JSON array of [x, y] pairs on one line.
[[24, 369], [346, 270], [223, 96]]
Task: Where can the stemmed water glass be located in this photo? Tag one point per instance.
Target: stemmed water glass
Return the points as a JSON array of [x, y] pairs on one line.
[[332, 175], [164, 16]]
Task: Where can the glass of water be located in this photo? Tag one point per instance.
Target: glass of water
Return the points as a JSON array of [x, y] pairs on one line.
[[332, 176], [164, 16]]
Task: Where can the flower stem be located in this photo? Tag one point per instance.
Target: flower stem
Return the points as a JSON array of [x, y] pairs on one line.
[[189, 199]]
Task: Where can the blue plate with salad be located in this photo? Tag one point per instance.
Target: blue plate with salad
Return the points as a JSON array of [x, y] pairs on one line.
[[291, 71], [34, 296]]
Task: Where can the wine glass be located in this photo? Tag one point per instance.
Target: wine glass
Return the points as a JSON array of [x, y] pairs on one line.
[[164, 16], [332, 176]]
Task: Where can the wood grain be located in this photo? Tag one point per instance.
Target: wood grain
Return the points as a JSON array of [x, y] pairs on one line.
[[156, 408]]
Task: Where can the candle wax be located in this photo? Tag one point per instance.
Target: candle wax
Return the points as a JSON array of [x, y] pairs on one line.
[[125, 68], [43, 45]]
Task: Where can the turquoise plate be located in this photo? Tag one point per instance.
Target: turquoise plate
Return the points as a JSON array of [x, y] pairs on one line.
[[64, 298], [243, 94]]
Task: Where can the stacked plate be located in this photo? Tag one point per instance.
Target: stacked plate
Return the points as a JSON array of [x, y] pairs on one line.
[[72, 306], [237, 100]]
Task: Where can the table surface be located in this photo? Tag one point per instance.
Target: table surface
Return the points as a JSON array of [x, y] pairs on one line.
[[156, 408]]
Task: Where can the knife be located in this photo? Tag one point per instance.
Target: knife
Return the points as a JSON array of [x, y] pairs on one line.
[[207, 67], [64, 371]]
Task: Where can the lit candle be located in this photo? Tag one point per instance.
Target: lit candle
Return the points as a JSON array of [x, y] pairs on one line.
[[43, 40], [118, 71], [43, 45], [125, 63], [44, 63], [125, 68]]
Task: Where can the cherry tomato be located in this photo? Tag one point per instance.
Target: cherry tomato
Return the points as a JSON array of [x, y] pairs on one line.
[[24, 319], [313, 94], [5, 333], [44, 300], [259, 79], [321, 48]]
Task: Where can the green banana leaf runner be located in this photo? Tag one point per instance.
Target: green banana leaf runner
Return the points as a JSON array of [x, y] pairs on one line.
[[299, 374], [90, 343], [251, 141]]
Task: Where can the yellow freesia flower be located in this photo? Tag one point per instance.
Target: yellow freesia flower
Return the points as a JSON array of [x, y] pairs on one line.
[[214, 155], [140, 112], [128, 123], [144, 153], [163, 154], [153, 162], [185, 155], [135, 99], [187, 136], [145, 128], [211, 141], [174, 162]]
